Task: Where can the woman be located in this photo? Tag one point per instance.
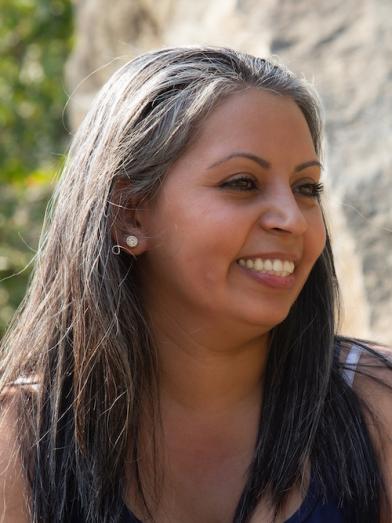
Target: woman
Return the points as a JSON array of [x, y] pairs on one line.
[[176, 353]]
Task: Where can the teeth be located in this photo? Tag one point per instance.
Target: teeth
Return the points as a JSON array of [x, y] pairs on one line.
[[276, 266], [258, 264]]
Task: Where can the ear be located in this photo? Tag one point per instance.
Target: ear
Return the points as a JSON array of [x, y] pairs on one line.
[[126, 217]]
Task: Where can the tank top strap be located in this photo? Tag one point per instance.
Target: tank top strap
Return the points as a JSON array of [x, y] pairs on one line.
[[351, 363]]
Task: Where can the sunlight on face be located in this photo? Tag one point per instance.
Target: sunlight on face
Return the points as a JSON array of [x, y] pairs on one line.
[[237, 205]]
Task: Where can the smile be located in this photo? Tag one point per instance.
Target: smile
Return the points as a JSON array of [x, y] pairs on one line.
[[274, 266]]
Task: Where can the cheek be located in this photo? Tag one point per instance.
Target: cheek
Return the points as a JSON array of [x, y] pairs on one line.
[[317, 236], [200, 253], [198, 236]]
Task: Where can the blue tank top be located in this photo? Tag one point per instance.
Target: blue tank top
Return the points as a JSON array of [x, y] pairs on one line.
[[312, 510]]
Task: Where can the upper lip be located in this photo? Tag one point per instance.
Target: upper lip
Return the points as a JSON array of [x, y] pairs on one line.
[[273, 256]]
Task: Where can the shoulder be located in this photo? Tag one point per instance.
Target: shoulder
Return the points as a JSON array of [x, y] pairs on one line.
[[373, 385], [13, 488], [371, 367], [373, 379]]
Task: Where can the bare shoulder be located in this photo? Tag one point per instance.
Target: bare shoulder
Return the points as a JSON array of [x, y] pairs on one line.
[[373, 381], [373, 367], [373, 384], [13, 491]]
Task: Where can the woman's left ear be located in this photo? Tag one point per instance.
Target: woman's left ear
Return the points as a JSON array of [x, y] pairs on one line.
[[127, 227]]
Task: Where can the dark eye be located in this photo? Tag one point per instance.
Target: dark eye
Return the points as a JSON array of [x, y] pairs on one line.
[[242, 183], [310, 189]]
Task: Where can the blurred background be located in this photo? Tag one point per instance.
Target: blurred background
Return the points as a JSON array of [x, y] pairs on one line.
[[36, 37], [55, 55]]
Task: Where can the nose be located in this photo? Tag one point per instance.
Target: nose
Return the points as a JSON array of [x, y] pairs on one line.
[[282, 213]]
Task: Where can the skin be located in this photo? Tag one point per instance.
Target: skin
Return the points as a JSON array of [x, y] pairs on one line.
[[373, 384], [197, 229], [210, 317], [13, 491]]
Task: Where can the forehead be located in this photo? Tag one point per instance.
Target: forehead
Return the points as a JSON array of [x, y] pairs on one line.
[[256, 121]]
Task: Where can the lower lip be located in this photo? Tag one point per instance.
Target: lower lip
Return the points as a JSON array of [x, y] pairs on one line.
[[270, 280]]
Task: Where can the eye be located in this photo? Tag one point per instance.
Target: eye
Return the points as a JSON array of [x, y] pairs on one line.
[[241, 183], [309, 189]]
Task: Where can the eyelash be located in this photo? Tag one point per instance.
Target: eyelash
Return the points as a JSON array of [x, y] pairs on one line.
[[247, 184], [239, 184], [316, 189]]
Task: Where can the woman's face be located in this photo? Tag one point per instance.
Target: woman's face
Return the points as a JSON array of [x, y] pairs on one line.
[[237, 225]]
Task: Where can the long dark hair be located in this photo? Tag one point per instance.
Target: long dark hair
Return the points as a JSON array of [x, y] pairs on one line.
[[82, 334], [311, 412]]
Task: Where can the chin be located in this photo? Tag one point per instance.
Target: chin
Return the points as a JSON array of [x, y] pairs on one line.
[[266, 321]]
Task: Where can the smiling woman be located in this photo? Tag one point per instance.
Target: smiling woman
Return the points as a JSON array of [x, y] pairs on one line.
[[223, 187], [176, 359]]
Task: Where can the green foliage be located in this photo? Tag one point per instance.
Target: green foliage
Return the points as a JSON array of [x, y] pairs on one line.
[[35, 40], [22, 210]]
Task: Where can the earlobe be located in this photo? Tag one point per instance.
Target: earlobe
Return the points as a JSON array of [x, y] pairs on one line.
[[127, 223], [135, 243], [129, 239], [132, 241]]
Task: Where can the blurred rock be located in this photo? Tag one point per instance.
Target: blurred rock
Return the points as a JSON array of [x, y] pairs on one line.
[[345, 48]]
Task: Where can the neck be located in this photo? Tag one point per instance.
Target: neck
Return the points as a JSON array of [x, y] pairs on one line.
[[209, 369], [210, 381]]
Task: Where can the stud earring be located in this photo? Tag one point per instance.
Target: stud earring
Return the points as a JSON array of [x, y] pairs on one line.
[[131, 241]]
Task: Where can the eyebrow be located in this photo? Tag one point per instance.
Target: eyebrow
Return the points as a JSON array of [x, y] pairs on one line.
[[264, 163]]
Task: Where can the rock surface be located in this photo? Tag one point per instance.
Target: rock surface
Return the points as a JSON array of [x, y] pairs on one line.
[[345, 48]]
